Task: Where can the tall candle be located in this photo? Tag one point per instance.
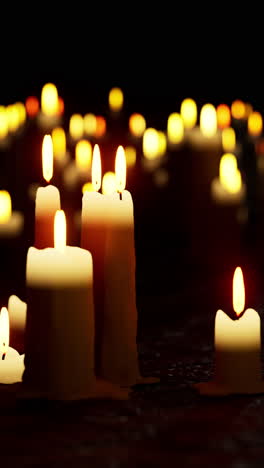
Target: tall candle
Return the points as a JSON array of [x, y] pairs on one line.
[[47, 200], [237, 349]]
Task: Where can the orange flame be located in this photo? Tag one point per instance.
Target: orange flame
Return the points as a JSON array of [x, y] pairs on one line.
[[47, 157], [120, 169], [4, 331], [238, 291], [96, 168]]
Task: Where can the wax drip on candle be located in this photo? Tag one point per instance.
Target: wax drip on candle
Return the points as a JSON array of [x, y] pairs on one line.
[[120, 170]]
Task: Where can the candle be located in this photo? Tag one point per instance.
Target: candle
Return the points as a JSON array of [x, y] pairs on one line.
[[47, 200], [228, 189], [11, 362], [237, 348], [59, 341], [119, 335], [17, 310], [50, 113], [175, 130], [152, 156], [206, 136], [60, 153], [11, 222]]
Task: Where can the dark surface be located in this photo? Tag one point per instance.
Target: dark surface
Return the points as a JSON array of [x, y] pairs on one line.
[[187, 249]]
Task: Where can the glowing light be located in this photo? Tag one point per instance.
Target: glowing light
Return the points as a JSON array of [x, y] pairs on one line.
[[3, 123], [223, 115], [116, 99], [151, 143], [83, 155], [238, 109], [13, 117], [59, 142], [131, 156], [228, 139], [49, 99], [5, 206], [238, 291], [96, 168], [88, 187], [229, 174], [188, 112], [47, 158], [4, 331], [89, 123], [208, 120], [60, 230], [120, 169], [76, 126], [100, 126], [137, 124], [255, 123], [61, 105], [162, 143], [175, 128], [21, 109], [109, 184], [32, 106]]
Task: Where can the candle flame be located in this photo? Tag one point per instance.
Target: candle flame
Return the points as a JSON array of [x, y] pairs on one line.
[[238, 291], [49, 99], [4, 331], [229, 174], [189, 112], [208, 120], [96, 168], [60, 230], [120, 169], [255, 123], [47, 157], [116, 99], [5, 206]]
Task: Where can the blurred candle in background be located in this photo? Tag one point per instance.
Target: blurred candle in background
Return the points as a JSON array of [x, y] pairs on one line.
[[11, 222], [223, 115], [115, 100], [61, 156], [175, 130], [76, 127], [228, 188], [188, 111], [50, 113]]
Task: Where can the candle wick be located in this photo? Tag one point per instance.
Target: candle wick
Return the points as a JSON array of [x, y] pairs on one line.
[[3, 356]]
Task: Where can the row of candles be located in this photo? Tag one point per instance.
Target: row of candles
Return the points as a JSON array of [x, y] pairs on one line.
[[97, 282]]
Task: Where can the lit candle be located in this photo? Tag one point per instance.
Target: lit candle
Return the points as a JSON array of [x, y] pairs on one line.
[[47, 200], [11, 222], [119, 334], [188, 112], [175, 130], [137, 125], [228, 188], [61, 155], [11, 362], [59, 340], [115, 100], [151, 149], [223, 115], [237, 348], [206, 136], [50, 113]]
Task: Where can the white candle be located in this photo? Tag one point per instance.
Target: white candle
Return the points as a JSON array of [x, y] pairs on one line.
[[11, 362], [237, 349], [47, 200]]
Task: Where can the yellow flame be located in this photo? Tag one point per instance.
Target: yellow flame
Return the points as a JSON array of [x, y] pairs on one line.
[[120, 169], [49, 99], [88, 187], [175, 128], [137, 124], [255, 123], [109, 185], [13, 117], [188, 112], [116, 99], [223, 115], [208, 120], [96, 168], [47, 158], [76, 126], [228, 139], [83, 154], [229, 174], [162, 143], [5, 206], [3, 123], [59, 142], [238, 291], [89, 124], [151, 143], [60, 230], [4, 331], [238, 109], [131, 155]]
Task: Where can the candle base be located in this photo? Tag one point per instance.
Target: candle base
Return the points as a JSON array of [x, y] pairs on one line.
[[99, 389], [214, 388]]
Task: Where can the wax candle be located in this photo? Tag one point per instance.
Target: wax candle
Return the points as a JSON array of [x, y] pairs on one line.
[[228, 188], [11, 362], [59, 341], [11, 222], [47, 200], [237, 348], [119, 334], [17, 316]]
